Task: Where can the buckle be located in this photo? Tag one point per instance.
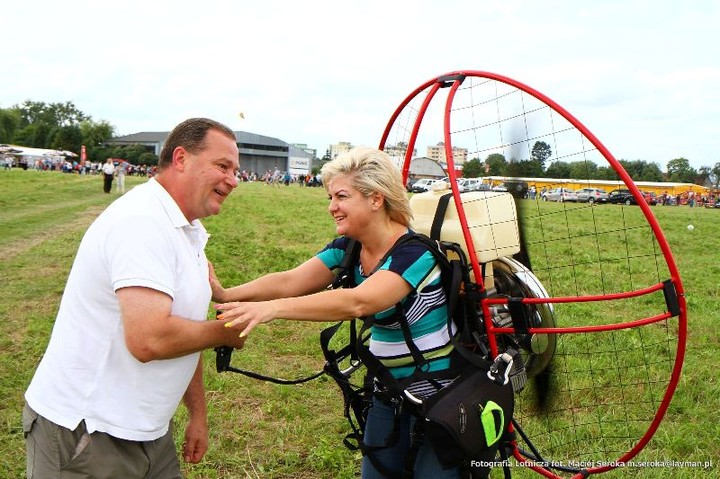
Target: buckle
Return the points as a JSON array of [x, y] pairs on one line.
[[501, 367]]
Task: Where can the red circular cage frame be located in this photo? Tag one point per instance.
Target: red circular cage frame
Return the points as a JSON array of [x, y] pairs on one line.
[[672, 287]]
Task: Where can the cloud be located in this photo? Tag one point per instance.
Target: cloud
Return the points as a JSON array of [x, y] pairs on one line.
[[641, 75]]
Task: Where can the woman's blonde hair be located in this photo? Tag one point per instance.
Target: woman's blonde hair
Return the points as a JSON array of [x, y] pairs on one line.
[[371, 170]]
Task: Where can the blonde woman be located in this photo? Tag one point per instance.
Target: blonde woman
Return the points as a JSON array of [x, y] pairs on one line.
[[369, 203]]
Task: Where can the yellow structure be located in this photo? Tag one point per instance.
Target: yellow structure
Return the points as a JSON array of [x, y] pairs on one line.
[[658, 188]]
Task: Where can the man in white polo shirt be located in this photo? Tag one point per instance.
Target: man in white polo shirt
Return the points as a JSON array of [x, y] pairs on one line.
[[125, 347]]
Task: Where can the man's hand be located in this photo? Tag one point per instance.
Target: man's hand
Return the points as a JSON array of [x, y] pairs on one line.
[[218, 292], [196, 432], [196, 440]]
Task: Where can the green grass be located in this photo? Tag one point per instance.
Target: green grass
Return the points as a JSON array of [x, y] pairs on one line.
[[605, 381]]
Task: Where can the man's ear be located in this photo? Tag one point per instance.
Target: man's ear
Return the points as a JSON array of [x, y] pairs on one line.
[[178, 158]]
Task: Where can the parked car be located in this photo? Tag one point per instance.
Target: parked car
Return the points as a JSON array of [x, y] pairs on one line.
[[650, 198], [517, 188], [410, 183], [425, 184], [621, 196], [559, 194], [469, 184], [591, 195]]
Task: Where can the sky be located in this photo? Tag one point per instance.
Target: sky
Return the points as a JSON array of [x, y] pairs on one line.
[[643, 76]]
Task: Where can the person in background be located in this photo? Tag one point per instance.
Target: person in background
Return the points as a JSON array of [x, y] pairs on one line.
[[120, 171], [124, 352], [369, 203], [108, 170]]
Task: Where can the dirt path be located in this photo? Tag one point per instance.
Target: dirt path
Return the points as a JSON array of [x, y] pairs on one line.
[[14, 248]]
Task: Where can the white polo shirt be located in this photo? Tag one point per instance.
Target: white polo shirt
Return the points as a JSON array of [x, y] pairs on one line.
[[87, 372]]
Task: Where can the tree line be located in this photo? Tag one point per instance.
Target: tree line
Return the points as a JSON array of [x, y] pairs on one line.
[[678, 170], [62, 126]]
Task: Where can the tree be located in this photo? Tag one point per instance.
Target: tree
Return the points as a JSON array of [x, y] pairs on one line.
[[715, 175], [606, 173], [679, 170], [66, 138], [135, 154], [99, 154], [50, 125], [496, 164], [703, 176], [95, 134], [147, 158], [530, 168], [583, 170], [524, 168], [541, 151], [559, 169], [36, 135], [9, 123], [640, 170], [473, 169], [54, 114]]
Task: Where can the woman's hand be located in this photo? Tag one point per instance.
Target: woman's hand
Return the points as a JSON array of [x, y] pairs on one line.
[[246, 316]]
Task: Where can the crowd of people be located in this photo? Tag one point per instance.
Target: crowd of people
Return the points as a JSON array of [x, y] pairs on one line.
[[278, 177], [67, 166], [689, 198]]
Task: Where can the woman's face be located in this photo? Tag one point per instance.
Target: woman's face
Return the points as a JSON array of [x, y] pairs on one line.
[[350, 209]]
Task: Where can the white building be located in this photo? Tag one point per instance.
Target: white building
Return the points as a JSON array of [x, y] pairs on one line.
[[338, 148], [437, 153]]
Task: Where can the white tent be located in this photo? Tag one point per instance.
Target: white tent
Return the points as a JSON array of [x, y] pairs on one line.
[[32, 155]]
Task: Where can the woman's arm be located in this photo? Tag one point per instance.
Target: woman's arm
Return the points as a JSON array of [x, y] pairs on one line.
[[379, 292], [310, 277]]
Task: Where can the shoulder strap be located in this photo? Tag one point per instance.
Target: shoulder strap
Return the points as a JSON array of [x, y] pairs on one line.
[[372, 363], [344, 272], [456, 276], [439, 217]]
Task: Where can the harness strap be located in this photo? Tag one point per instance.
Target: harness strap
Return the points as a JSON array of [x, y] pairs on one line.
[[454, 273], [518, 313], [416, 441], [439, 217], [376, 368]]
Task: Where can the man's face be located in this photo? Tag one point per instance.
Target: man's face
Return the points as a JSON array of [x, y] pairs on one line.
[[209, 175]]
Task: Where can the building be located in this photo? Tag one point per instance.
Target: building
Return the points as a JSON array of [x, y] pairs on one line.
[[338, 148], [299, 161], [397, 153], [437, 153], [423, 167], [258, 153], [312, 152]]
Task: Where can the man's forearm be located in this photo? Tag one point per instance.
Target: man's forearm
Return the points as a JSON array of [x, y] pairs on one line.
[[194, 398]]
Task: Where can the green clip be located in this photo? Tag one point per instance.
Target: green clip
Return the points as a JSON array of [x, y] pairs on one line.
[[487, 417]]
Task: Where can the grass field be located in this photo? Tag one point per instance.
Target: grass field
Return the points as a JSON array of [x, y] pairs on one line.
[[264, 430]]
